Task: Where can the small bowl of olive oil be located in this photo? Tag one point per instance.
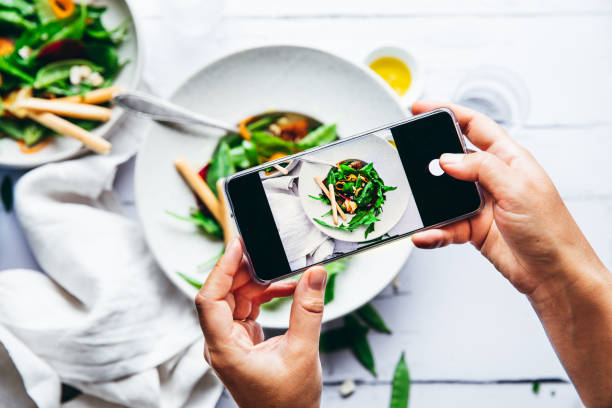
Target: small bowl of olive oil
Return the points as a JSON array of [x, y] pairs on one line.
[[399, 69]]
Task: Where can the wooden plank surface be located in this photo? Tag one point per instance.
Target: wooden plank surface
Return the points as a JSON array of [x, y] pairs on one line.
[[463, 327]]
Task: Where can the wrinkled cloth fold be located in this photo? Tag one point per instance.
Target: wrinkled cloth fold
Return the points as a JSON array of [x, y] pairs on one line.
[[304, 244], [103, 317]]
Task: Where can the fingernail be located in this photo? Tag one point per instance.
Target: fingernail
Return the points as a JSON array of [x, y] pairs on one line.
[[317, 278], [451, 158]]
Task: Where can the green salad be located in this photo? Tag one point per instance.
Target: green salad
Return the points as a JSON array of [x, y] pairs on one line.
[[52, 49], [261, 139], [358, 190]]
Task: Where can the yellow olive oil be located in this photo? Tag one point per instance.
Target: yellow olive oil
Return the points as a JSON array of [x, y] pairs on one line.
[[394, 72]]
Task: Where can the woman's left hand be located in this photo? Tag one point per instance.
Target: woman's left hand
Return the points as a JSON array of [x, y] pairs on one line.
[[279, 372]]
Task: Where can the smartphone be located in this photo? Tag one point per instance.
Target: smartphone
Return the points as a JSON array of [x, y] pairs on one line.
[[354, 194]]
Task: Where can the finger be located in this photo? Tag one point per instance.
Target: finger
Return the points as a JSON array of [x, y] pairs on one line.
[[276, 290], [214, 311], [489, 170], [248, 296], [220, 280], [307, 309], [457, 233], [477, 127], [244, 299], [242, 277]]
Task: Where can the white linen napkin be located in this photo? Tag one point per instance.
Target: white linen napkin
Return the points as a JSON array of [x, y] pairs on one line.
[[304, 244], [104, 318]]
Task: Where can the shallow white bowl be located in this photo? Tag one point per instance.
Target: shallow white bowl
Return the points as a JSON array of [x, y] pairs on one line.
[[62, 148], [415, 91], [290, 78]]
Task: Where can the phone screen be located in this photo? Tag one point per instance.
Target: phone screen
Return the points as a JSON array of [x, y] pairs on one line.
[[333, 201]]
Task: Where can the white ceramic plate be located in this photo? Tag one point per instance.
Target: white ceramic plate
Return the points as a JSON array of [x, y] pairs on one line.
[[242, 84], [386, 162], [62, 148]]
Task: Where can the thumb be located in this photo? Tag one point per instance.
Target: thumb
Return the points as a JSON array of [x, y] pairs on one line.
[[307, 308], [485, 168]]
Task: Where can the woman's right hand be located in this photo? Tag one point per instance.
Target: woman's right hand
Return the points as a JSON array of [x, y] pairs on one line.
[[528, 234], [525, 229]]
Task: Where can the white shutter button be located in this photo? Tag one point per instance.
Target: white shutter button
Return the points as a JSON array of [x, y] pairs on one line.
[[434, 167]]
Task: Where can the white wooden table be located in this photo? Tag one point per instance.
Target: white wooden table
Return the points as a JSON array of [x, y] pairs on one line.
[[469, 338]]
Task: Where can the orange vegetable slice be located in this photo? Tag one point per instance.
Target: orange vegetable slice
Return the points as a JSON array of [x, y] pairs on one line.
[[242, 129], [34, 149], [277, 156], [62, 8], [6, 46]]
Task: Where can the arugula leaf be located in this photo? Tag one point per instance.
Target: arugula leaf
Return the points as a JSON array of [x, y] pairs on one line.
[[322, 135], [192, 281], [197, 218], [330, 287], [400, 391], [221, 166], [22, 6], [105, 56], [267, 144], [7, 66], [6, 190], [33, 133], [322, 198], [263, 122], [12, 19], [372, 318], [60, 71]]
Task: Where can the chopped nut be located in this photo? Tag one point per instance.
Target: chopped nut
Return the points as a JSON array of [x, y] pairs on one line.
[[75, 75], [25, 52], [347, 388], [95, 79]]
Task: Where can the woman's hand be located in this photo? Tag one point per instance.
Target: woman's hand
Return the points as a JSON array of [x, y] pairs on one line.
[[280, 372], [528, 234], [525, 230]]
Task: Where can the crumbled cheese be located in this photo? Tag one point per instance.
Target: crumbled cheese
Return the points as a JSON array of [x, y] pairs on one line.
[[96, 79], [25, 52], [274, 128], [85, 71], [76, 76], [347, 388]]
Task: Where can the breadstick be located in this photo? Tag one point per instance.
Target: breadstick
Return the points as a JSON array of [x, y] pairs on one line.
[[333, 204], [226, 224], [64, 127], [280, 168], [73, 110], [94, 97], [198, 186], [322, 187]]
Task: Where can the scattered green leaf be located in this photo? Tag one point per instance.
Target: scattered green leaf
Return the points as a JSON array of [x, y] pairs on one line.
[[400, 391], [372, 318], [359, 343]]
